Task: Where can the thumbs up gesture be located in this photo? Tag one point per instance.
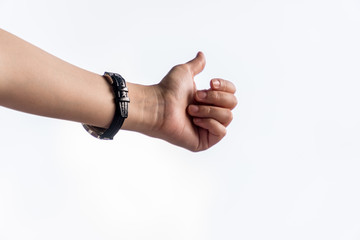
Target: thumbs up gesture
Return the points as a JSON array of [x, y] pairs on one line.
[[190, 118]]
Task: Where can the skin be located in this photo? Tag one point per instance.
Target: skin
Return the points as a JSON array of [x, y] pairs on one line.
[[36, 82]]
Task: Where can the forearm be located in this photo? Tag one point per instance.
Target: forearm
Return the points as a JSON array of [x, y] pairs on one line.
[[36, 82]]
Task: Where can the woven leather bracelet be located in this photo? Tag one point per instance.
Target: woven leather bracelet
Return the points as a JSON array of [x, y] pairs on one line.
[[121, 110]]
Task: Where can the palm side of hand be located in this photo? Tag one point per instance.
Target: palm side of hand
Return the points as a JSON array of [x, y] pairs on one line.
[[195, 120], [178, 89]]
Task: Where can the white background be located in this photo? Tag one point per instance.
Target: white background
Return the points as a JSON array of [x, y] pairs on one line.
[[289, 167]]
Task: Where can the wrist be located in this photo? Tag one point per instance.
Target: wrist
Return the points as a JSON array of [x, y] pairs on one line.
[[145, 109]]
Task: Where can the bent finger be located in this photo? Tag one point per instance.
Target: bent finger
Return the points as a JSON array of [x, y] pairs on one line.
[[219, 84], [222, 115], [214, 127], [210, 133], [216, 98]]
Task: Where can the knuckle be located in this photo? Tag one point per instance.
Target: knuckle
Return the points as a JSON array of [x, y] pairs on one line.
[[235, 102], [223, 132], [204, 111], [195, 148], [230, 115], [229, 87], [234, 87], [215, 96], [209, 111], [224, 85]]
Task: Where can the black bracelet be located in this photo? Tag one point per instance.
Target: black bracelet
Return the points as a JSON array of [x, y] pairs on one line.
[[121, 109]]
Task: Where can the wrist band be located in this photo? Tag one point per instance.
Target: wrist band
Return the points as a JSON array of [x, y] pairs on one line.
[[121, 109]]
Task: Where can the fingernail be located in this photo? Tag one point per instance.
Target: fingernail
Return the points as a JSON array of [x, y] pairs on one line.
[[194, 108], [201, 94], [216, 83]]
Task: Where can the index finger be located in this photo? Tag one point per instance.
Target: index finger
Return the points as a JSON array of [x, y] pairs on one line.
[[219, 84]]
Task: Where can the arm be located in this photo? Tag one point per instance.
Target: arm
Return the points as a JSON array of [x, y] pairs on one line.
[[36, 82]]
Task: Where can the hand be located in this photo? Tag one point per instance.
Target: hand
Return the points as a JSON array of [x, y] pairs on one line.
[[172, 110], [194, 119]]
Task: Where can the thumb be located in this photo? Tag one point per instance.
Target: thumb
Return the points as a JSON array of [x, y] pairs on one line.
[[197, 64]]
